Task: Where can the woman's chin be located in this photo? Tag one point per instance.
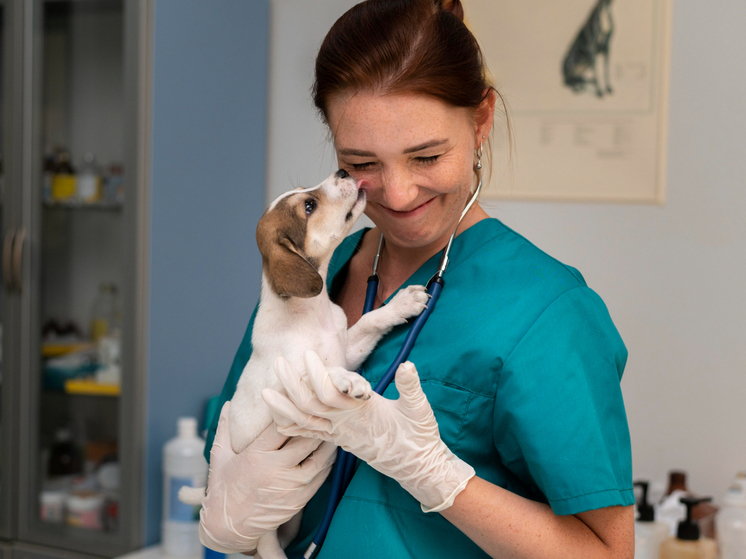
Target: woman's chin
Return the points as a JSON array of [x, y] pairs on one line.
[[409, 237], [416, 231]]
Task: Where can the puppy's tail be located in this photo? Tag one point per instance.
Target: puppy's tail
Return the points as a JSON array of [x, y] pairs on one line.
[[192, 495]]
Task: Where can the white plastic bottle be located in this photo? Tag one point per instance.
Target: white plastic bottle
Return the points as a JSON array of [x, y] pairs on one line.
[[730, 523], [183, 464]]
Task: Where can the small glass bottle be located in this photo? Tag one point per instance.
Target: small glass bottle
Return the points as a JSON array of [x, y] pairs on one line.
[[89, 180], [106, 320], [113, 191], [64, 181], [65, 459]]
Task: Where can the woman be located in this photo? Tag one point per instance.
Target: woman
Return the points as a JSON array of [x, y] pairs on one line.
[[520, 362]]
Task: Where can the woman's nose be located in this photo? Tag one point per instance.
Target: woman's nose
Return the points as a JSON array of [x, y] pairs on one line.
[[399, 190]]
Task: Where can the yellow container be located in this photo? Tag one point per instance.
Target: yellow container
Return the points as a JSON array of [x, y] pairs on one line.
[[99, 327], [703, 548], [63, 186]]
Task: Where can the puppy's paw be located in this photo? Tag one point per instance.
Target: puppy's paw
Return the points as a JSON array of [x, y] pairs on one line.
[[350, 383], [192, 495], [409, 302]]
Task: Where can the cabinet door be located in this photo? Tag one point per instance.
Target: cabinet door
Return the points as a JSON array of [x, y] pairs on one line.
[[5, 478], [74, 200], [10, 94]]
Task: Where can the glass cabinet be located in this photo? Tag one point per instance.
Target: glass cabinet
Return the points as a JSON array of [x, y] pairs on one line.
[[69, 89], [80, 57]]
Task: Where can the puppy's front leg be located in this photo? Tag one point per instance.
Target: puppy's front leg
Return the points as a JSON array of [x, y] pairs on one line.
[[365, 334]]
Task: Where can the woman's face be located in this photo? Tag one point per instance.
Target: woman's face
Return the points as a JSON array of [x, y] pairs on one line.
[[413, 155]]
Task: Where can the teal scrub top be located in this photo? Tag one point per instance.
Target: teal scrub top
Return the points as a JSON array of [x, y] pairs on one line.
[[521, 364]]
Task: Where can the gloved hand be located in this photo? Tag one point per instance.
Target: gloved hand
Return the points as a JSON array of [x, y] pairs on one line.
[[251, 493], [398, 438]]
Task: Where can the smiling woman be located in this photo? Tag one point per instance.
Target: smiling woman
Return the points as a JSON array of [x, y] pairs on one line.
[[413, 156], [509, 422]]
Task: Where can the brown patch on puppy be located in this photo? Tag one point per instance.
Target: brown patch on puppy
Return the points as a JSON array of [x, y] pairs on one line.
[[281, 237]]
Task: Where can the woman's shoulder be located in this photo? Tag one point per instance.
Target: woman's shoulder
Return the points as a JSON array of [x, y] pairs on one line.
[[500, 253]]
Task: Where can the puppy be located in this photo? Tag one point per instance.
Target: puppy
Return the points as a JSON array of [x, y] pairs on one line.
[[296, 237]]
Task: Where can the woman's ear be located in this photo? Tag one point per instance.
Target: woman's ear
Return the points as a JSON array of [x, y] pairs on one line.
[[484, 116]]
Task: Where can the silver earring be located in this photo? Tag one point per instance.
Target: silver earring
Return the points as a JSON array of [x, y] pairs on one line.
[[479, 157]]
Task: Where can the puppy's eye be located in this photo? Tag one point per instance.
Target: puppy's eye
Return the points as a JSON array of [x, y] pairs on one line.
[[310, 206]]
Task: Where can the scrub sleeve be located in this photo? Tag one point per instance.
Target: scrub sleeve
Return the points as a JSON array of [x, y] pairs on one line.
[[521, 365]]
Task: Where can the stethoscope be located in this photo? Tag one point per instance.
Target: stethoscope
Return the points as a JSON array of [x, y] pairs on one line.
[[344, 468]]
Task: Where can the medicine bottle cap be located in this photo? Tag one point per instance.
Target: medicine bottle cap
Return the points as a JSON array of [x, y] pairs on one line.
[[646, 513], [676, 480], [688, 528], [187, 427]]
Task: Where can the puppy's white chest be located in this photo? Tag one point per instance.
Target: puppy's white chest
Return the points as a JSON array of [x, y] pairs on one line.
[[288, 333], [330, 339], [322, 327], [327, 337]]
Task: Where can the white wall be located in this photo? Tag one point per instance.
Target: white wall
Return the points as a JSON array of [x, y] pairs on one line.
[[672, 275]]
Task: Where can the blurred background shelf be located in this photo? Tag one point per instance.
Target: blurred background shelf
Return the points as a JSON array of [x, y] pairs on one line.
[[79, 205], [90, 387]]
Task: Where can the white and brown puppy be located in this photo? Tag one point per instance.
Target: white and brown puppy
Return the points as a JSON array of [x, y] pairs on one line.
[[296, 236]]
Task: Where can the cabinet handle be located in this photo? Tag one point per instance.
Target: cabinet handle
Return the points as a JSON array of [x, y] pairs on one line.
[[8, 259], [18, 258]]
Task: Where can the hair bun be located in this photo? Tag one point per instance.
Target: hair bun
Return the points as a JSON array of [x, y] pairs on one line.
[[453, 6]]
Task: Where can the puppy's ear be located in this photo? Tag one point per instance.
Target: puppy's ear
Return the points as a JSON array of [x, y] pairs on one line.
[[290, 274], [288, 271]]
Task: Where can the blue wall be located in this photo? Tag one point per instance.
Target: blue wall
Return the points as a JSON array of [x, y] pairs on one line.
[[208, 171]]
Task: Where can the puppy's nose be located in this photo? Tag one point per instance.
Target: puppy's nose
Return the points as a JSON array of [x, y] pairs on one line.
[[342, 174]]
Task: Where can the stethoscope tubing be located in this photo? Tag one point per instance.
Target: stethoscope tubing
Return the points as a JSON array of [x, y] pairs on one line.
[[344, 467]]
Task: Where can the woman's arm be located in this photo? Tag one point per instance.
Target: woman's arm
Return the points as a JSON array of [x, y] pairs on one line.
[[508, 526]]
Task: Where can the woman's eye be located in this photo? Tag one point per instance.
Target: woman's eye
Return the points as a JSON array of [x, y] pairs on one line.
[[310, 206], [361, 166], [427, 160]]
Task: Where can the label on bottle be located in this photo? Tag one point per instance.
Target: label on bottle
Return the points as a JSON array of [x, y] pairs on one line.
[[178, 511]]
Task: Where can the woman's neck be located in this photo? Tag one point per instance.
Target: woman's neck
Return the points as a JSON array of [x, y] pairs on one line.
[[398, 263]]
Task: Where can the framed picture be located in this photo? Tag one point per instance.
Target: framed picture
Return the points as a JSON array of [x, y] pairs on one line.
[[586, 87]]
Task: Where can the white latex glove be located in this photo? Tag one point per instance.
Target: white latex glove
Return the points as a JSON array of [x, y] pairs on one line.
[[398, 438], [251, 493]]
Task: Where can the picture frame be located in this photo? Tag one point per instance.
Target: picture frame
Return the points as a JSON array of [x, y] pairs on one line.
[[585, 84]]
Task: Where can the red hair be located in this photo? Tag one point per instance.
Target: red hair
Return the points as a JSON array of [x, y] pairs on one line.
[[417, 46], [402, 46]]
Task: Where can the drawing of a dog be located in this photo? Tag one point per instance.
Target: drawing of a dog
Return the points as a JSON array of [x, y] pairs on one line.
[[581, 64]]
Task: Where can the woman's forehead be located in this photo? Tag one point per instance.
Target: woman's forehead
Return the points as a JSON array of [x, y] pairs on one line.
[[398, 118]]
